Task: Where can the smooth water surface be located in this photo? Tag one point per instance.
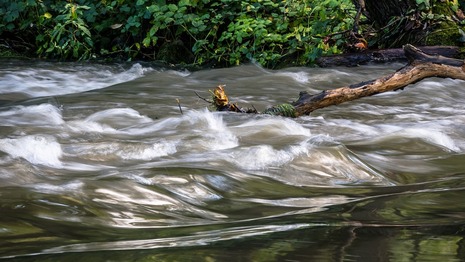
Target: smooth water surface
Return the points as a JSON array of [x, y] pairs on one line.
[[97, 163]]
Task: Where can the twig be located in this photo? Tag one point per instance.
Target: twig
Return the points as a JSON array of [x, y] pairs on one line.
[[204, 99], [179, 105], [256, 111]]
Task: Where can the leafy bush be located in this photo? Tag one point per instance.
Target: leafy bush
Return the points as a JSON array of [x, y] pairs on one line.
[[69, 36], [226, 32]]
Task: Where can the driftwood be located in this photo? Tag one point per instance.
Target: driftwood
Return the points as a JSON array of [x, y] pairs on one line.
[[420, 66], [382, 56]]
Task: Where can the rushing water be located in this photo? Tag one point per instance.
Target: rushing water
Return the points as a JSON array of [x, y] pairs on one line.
[[98, 163]]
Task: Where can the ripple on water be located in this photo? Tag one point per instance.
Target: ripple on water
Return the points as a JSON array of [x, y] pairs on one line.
[[59, 79]]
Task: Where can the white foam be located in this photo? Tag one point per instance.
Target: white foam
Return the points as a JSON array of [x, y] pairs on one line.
[[265, 156], [335, 166], [37, 149], [431, 136], [109, 121], [214, 134], [183, 73], [118, 117], [429, 133], [110, 151], [273, 127], [300, 77], [146, 151], [36, 115], [167, 125], [79, 126], [63, 79]]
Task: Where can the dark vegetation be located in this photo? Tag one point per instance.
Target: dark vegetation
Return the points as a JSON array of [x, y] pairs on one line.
[[221, 33]]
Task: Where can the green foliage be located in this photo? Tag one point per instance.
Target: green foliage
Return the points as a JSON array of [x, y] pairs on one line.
[[423, 5], [226, 32], [287, 110], [69, 37]]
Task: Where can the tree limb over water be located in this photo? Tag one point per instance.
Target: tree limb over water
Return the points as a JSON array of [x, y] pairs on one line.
[[419, 67]]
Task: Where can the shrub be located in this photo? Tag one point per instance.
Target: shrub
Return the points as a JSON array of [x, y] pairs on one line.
[[226, 32]]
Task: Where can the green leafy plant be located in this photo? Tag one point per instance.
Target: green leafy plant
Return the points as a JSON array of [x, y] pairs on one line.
[[224, 32], [69, 38]]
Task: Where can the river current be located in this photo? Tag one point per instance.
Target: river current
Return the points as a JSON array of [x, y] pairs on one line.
[[98, 163]]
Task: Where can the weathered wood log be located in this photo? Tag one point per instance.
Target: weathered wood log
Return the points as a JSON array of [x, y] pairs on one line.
[[420, 66], [382, 56]]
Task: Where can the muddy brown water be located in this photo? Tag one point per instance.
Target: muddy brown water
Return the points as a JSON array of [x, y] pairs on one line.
[[98, 164]]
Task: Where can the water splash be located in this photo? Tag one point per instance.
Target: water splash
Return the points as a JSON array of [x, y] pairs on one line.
[[35, 115], [210, 130], [37, 149]]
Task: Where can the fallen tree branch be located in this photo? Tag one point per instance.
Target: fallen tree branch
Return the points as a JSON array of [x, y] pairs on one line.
[[420, 66], [382, 56]]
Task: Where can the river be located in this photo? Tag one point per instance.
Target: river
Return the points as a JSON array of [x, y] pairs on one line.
[[98, 163]]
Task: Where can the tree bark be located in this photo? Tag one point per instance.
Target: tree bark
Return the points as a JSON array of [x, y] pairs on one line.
[[381, 12], [420, 66], [393, 23], [382, 56]]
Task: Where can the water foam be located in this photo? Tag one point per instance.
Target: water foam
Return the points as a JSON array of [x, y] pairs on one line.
[[118, 117], [146, 151], [213, 132], [66, 79], [263, 129], [260, 157], [430, 134], [37, 149], [434, 137], [300, 77], [36, 115], [265, 156], [111, 151], [109, 121]]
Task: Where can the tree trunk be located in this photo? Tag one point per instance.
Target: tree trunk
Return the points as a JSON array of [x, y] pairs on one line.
[[394, 23], [381, 12]]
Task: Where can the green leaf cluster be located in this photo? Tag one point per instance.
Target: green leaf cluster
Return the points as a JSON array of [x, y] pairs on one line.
[[223, 32]]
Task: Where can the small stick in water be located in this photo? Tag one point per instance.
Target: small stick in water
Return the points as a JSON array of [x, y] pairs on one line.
[[179, 105], [204, 99]]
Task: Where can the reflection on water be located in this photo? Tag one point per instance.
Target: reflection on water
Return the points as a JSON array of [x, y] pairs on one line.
[[98, 163]]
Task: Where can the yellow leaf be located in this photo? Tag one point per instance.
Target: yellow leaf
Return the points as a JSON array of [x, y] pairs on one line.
[[48, 15], [220, 97]]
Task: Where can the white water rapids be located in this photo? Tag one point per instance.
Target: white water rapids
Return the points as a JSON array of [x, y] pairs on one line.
[[91, 154]]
